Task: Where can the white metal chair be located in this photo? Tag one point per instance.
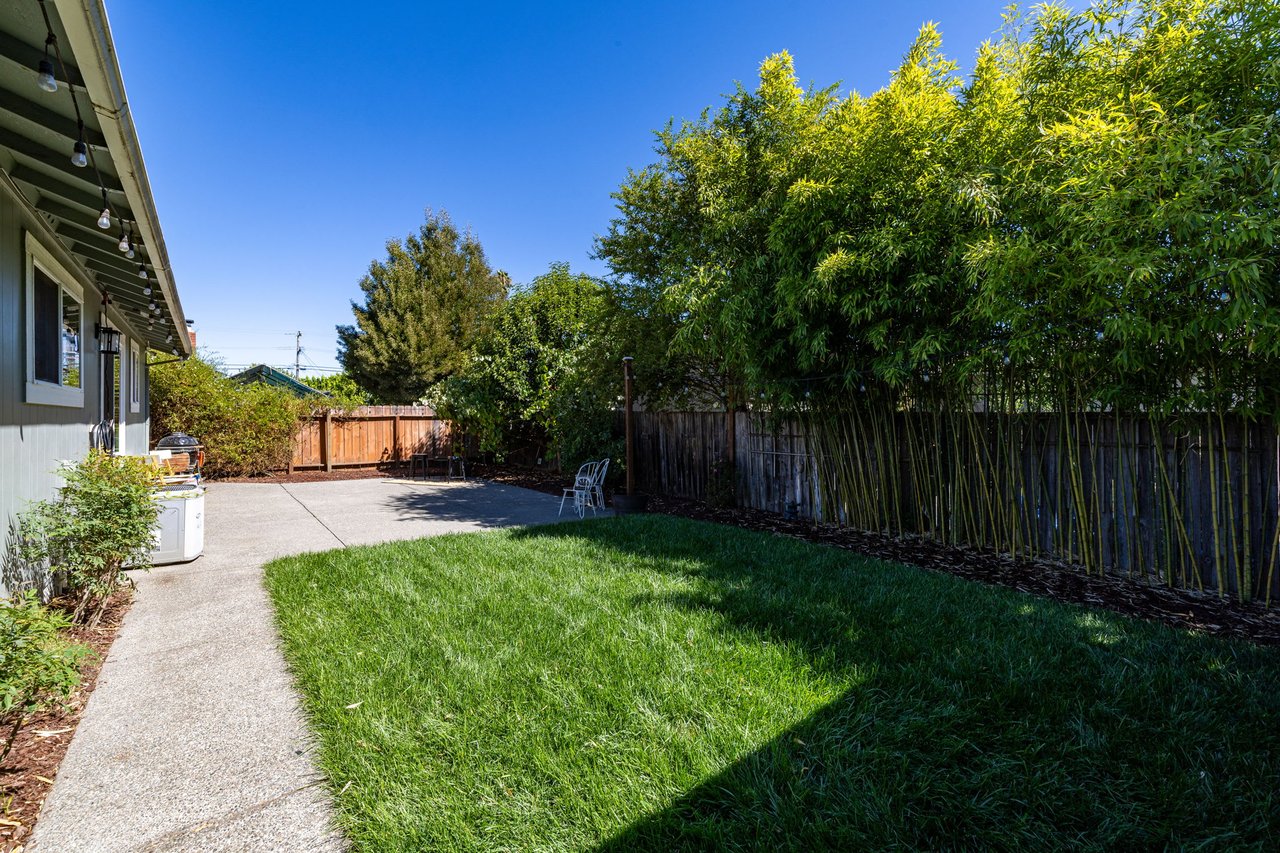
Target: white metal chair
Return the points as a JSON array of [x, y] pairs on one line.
[[581, 489], [597, 484]]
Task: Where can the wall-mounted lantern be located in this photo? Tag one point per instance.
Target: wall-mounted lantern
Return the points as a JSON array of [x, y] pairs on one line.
[[108, 339]]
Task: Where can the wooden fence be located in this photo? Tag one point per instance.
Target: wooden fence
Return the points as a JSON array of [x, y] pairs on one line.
[[1194, 503], [371, 435]]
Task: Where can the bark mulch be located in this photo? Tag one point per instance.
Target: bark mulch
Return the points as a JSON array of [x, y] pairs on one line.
[[1199, 611], [27, 774], [318, 476]]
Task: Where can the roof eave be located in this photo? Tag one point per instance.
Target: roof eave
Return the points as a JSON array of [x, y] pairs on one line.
[[90, 37]]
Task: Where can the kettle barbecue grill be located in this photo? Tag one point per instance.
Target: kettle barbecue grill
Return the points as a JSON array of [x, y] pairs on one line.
[[186, 454]]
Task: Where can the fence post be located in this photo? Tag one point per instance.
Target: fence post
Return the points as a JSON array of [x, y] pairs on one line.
[[326, 441], [395, 438]]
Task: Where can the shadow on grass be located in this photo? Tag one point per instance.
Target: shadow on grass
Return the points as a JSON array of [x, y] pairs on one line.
[[980, 717]]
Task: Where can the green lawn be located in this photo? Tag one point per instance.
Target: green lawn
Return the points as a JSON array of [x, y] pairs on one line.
[[656, 683]]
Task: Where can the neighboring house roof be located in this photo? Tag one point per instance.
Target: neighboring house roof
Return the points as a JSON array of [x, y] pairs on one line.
[[38, 130], [270, 376]]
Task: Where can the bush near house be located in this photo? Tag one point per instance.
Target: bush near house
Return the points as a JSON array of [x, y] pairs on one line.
[[101, 521], [246, 429], [38, 667]]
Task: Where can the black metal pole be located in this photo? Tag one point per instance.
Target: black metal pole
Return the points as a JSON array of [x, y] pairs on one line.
[[631, 455]]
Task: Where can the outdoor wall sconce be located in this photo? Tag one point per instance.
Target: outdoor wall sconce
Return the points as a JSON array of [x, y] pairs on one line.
[[108, 339]]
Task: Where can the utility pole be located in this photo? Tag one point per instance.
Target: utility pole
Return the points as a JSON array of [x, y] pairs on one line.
[[297, 358]]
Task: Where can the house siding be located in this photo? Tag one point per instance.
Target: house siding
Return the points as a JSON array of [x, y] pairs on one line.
[[34, 438]]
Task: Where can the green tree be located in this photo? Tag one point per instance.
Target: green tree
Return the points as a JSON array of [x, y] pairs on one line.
[[343, 391], [514, 392], [424, 307]]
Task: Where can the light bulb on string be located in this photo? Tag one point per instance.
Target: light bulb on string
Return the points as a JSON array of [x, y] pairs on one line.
[[104, 220], [44, 71], [79, 151], [168, 339], [146, 291], [151, 306], [142, 270], [174, 350], [123, 245]]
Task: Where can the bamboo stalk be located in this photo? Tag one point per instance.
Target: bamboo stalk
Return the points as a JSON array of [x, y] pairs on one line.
[[1213, 506]]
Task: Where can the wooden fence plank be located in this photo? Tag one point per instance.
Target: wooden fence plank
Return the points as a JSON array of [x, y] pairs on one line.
[[1132, 494]]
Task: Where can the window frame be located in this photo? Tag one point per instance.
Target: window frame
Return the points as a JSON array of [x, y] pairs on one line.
[[135, 377], [39, 391]]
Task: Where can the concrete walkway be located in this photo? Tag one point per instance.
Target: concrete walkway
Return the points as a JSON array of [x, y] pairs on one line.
[[193, 739]]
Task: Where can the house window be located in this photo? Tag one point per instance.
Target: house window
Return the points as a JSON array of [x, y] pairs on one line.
[[55, 332], [135, 377]]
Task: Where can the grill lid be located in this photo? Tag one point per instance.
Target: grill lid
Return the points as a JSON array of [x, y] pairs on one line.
[[177, 441]]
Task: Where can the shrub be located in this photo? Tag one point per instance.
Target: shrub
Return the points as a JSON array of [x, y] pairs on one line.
[[38, 667], [246, 429], [344, 393], [102, 520]]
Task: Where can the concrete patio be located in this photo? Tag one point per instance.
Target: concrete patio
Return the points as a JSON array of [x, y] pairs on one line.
[[194, 739]]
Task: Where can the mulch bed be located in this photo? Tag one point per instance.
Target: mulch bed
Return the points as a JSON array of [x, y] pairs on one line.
[[1056, 580], [27, 774], [318, 476]]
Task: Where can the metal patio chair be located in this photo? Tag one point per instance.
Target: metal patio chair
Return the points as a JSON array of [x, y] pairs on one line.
[[581, 489], [597, 485]]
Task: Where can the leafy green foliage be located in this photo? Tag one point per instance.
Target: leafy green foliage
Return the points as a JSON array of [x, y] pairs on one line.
[[523, 388], [424, 308], [102, 520], [653, 683], [246, 428], [38, 667], [344, 393], [1089, 221]]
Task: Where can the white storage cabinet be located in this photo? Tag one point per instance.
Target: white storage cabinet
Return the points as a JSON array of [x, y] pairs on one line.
[[180, 530]]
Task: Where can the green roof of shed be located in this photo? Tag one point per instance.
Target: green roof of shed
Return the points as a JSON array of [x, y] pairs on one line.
[[270, 376]]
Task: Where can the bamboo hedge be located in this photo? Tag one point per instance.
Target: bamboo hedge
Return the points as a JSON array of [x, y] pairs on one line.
[[1035, 309]]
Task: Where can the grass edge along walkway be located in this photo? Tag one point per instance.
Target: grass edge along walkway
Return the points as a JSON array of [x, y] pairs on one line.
[[659, 683]]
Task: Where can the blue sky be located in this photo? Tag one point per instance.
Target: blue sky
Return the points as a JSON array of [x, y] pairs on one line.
[[286, 142]]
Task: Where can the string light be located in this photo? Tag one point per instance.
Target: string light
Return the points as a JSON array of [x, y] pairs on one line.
[[44, 77], [104, 221], [82, 156], [80, 151]]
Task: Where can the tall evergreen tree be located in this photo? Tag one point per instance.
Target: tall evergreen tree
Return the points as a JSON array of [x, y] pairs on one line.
[[424, 306]]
